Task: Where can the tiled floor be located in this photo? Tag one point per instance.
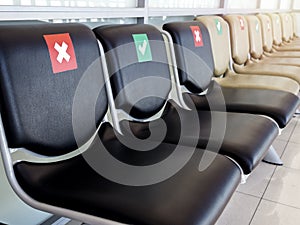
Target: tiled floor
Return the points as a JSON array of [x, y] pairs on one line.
[[271, 194]]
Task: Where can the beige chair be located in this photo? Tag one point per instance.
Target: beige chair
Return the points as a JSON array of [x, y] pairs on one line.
[[281, 37], [256, 45], [294, 20], [240, 52], [267, 37], [288, 26], [219, 35]]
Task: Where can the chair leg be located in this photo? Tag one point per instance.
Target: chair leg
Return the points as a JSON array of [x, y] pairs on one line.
[[272, 157], [297, 113]]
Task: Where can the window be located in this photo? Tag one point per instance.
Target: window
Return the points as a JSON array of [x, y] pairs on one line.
[[245, 4], [269, 4], [184, 3], [73, 3]]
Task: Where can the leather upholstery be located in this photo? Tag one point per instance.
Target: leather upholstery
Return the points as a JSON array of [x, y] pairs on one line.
[[220, 48], [253, 67], [189, 135], [294, 20], [258, 81], [267, 32], [122, 57], [286, 26], [256, 49], [255, 36], [246, 146], [279, 35], [220, 42], [37, 106], [270, 69], [196, 79], [188, 197], [276, 28], [278, 105], [239, 38], [268, 40], [244, 100], [37, 112]]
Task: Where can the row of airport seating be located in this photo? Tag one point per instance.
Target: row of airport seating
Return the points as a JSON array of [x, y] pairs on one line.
[[129, 124]]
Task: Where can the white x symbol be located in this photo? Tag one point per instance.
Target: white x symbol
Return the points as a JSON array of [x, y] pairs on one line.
[[242, 22], [62, 52], [197, 34]]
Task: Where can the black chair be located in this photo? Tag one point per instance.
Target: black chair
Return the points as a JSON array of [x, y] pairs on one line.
[[143, 83], [58, 147], [195, 71], [278, 105]]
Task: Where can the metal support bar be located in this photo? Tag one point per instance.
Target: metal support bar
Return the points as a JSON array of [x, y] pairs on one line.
[[272, 157]]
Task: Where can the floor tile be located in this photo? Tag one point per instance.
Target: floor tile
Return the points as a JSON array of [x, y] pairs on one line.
[[284, 187], [12, 209], [295, 137], [257, 182], [275, 214], [291, 156], [239, 210], [279, 146], [288, 130]]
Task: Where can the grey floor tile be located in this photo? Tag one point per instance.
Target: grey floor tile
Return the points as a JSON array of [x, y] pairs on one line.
[[239, 211]]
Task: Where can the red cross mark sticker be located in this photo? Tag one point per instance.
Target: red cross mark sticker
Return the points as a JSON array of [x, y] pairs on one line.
[[198, 41], [61, 51], [242, 23]]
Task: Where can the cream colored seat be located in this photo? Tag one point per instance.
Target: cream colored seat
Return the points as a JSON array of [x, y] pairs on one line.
[[267, 37], [219, 33], [287, 25], [256, 45], [281, 37], [294, 21], [240, 52]]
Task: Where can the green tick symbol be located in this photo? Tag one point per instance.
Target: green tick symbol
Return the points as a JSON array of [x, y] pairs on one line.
[[142, 46], [218, 26]]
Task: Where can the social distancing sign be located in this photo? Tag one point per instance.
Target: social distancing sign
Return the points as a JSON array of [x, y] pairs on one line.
[[143, 48], [61, 51], [198, 41]]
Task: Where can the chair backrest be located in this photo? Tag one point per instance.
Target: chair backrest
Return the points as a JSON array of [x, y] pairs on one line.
[[295, 24], [193, 54], [41, 66], [286, 26], [276, 28], [267, 32], [220, 43], [138, 66], [255, 36], [239, 38]]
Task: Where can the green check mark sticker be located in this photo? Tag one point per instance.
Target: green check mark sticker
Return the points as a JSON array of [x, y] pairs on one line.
[[219, 26], [142, 47]]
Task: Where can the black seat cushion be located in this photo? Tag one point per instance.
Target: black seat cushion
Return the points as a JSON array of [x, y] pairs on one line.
[[243, 137], [189, 197], [278, 105]]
